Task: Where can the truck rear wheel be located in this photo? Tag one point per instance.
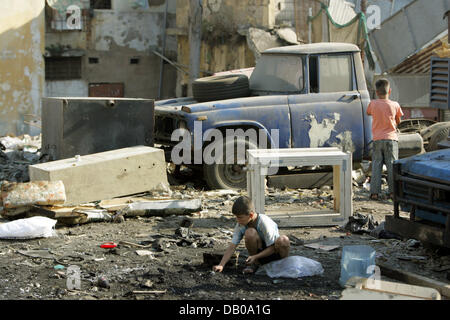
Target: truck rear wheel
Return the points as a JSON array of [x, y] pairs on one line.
[[230, 174], [430, 131], [221, 87]]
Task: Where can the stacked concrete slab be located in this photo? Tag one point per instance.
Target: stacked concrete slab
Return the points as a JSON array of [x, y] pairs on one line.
[[106, 175]]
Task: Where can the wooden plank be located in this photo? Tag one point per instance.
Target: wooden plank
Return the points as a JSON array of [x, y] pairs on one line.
[[356, 294], [415, 279], [64, 215], [416, 230], [347, 209], [56, 212], [149, 292], [337, 187]]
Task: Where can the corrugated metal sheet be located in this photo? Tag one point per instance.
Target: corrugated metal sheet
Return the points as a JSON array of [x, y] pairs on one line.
[[408, 31], [341, 11], [419, 62], [388, 7]]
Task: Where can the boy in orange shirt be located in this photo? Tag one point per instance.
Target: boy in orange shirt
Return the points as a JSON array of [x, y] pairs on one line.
[[386, 116]]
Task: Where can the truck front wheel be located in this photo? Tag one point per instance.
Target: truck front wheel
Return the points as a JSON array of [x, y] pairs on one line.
[[230, 174]]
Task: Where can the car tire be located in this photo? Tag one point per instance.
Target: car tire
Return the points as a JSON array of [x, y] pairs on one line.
[[437, 137], [228, 175], [430, 131], [221, 87]]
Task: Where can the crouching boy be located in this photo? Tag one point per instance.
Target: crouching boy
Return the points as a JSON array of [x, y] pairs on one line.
[[262, 239]]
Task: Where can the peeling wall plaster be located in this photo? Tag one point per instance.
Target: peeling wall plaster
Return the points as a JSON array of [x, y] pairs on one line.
[[136, 31], [114, 37], [21, 63]]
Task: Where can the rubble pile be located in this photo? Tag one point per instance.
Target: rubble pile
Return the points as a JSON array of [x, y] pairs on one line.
[[185, 223], [16, 154]]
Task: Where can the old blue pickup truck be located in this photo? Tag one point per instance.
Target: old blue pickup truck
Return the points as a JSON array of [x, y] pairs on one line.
[[315, 95]]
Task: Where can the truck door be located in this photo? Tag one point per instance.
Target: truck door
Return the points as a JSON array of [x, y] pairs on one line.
[[330, 114]]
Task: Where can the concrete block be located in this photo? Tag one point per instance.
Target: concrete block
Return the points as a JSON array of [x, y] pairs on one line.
[[106, 175]]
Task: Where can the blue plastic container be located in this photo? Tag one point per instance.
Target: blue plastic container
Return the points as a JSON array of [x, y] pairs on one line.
[[355, 262]]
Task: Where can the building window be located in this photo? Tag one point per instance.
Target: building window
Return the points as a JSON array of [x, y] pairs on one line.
[[93, 60], [62, 68], [134, 61], [101, 4]]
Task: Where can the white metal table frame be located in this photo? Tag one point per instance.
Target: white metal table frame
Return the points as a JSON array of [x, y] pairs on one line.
[[261, 160]]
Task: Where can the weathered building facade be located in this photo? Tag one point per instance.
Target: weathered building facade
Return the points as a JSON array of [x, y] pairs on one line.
[[22, 70], [111, 51], [234, 32], [81, 48]]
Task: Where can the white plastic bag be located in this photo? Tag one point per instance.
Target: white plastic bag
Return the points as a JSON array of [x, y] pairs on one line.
[[29, 228], [291, 267]]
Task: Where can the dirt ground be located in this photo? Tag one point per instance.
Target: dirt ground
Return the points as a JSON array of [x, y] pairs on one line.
[[173, 266]]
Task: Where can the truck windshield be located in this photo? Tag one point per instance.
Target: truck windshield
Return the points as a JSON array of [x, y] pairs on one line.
[[278, 73]]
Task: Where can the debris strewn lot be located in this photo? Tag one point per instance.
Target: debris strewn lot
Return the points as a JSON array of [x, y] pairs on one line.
[[157, 258], [161, 254]]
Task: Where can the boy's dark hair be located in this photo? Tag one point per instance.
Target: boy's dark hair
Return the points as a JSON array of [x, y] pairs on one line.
[[243, 205], [382, 86]]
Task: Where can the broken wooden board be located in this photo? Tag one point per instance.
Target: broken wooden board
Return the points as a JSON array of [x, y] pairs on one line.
[[417, 230], [15, 213], [321, 246], [149, 292], [371, 289], [71, 215], [115, 204], [414, 279], [292, 218], [213, 259], [64, 215], [162, 208]]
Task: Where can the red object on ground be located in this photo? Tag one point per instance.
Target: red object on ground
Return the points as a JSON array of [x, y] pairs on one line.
[[108, 245]]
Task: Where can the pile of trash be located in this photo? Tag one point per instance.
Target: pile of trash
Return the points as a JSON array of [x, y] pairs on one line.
[[366, 224], [16, 154]]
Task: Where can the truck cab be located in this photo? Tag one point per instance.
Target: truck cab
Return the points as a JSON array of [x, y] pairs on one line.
[[312, 95]]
